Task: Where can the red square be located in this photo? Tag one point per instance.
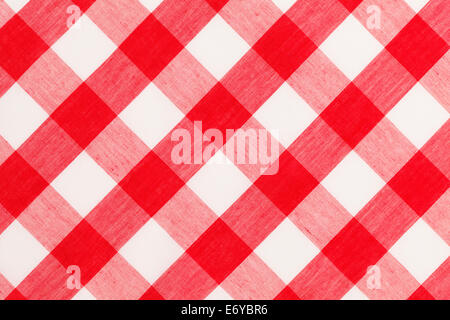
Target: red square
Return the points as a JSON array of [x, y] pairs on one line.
[[219, 251], [219, 109], [20, 184], [285, 47], [83, 4], [289, 186], [151, 183], [417, 47], [419, 183], [352, 115], [83, 115], [421, 294], [85, 248], [20, 47], [151, 294], [16, 295], [350, 4], [287, 294], [151, 47], [353, 250], [217, 4]]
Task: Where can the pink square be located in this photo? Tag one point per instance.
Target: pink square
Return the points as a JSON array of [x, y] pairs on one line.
[[387, 217], [49, 81], [436, 14], [438, 216], [5, 218], [318, 81], [117, 149], [5, 81], [5, 150], [317, 18], [320, 279], [117, 81], [48, 18], [49, 150], [319, 149], [320, 216], [252, 149], [164, 150], [393, 16], [387, 76], [438, 284], [117, 280], [185, 81], [261, 282], [5, 13], [437, 81], [250, 18], [253, 217], [436, 149], [385, 149], [50, 276], [117, 217], [5, 287], [184, 18], [252, 81], [185, 217], [185, 279], [49, 218], [117, 18], [395, 282]]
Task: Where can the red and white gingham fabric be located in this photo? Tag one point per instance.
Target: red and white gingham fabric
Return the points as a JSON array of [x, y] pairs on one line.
[[359, 207]]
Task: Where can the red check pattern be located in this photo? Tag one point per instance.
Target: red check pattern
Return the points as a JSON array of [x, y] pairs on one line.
[[363, 184]]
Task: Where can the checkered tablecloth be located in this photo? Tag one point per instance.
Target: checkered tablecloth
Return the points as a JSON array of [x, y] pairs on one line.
[[92, 205]]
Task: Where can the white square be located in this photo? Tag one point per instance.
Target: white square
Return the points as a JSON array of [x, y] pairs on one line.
[[83, 184], [284, 5], [353, 183], [351, 47], [151, 115], [285, 114], [418, 115], [355, 294], [417, 5], [84, 47], [420, 250], [218, 47], [151, 4], [20, 253], [16, 5], [287, 251], [20, 116], [151, 251], [219, 294], [84, 294], [219, 183]]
